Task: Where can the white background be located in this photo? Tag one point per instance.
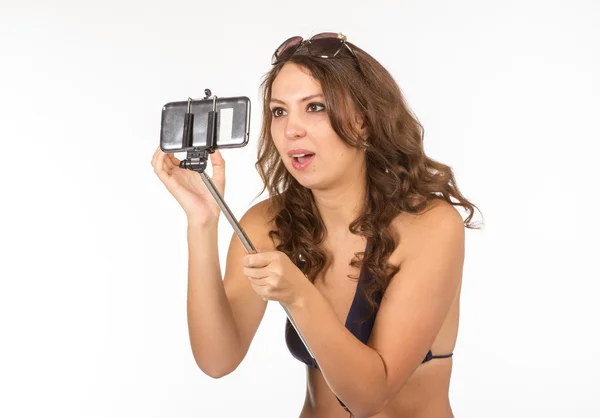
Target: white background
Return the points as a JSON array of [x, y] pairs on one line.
[[93, 247]]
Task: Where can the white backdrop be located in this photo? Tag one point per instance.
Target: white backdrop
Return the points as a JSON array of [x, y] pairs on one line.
[[93, 247]]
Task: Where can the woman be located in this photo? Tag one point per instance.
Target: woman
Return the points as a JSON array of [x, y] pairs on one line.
[[343, 160]]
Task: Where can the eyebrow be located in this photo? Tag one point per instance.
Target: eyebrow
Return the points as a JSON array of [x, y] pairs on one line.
[[312, 96]]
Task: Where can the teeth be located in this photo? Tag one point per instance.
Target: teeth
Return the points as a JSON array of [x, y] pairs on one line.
[[298, 155]]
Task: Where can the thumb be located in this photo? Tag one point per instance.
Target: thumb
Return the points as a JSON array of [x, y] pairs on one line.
[[218, 167]]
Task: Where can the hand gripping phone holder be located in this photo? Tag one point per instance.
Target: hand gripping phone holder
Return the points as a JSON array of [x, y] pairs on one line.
[[197, 159]]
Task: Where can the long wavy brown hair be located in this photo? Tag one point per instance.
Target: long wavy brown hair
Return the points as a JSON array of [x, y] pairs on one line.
[[400, 177]]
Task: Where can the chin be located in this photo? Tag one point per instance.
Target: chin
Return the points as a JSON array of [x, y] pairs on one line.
[[304, 182], [309, 179], [309, 182]]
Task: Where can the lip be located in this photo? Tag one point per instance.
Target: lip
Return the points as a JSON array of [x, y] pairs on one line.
[[303, 166], [299, 151]]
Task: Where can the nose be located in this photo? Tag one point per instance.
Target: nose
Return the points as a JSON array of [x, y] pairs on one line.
[[294, 127]]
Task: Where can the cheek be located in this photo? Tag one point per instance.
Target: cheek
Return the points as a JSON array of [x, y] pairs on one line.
[[345, 160], [277, 137], [282, 151], [274, 133]]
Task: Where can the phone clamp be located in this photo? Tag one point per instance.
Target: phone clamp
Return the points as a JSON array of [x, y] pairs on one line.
[[197, 158]]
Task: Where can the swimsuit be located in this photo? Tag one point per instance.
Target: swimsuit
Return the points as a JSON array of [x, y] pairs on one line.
[[359, 308]]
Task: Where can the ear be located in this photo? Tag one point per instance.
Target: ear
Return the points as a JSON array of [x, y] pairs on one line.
[[361, 125]]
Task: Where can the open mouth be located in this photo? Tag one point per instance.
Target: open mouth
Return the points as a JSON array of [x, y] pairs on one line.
[[303, 158], [301, 161]]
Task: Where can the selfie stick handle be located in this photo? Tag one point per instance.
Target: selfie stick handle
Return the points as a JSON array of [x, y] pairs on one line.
[[196, 161]]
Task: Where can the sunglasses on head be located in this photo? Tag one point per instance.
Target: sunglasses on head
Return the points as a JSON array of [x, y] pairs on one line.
[[322, 45]]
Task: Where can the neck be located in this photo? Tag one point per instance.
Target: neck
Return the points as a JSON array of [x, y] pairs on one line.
[[341, 205]]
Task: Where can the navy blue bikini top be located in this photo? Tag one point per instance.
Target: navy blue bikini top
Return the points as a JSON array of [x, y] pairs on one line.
[[358, 310]]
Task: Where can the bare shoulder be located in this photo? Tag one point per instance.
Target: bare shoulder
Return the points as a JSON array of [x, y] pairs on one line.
[[440, 221], [258, 220]]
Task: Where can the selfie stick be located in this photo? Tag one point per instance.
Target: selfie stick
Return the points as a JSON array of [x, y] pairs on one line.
[[196, 160]]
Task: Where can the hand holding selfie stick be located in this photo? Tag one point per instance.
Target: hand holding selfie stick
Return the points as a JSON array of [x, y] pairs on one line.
[[196, 160]]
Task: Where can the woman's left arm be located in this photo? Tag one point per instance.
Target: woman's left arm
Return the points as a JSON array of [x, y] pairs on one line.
[[414, 307]]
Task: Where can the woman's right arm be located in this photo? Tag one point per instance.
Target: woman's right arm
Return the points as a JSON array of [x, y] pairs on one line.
[[223, 314]]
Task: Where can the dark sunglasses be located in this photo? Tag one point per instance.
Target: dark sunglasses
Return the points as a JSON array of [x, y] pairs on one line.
[[322, 45]]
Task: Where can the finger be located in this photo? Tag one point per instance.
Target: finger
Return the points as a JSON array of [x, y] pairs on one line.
[[260, 289], [217, 160], [153, 162], [256, 260], [162, 168], [218, 168], [258, 283], [174, 159], [168, 163], [256, 273], [159, 161], [159, 158]]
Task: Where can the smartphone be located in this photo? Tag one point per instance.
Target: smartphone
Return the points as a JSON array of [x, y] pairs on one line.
[[233, 123]]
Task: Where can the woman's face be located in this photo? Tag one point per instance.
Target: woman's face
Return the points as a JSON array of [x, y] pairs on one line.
[[300, 125]]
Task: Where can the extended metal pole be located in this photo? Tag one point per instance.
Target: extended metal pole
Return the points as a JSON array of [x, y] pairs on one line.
[[245, 241]]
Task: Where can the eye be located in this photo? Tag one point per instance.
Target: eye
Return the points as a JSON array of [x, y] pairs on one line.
[[276, 113], [312, 107], [316, 107]]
